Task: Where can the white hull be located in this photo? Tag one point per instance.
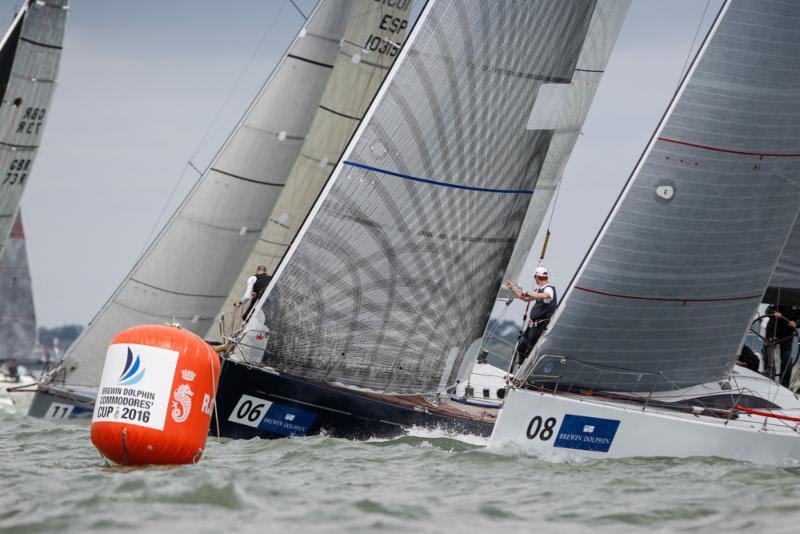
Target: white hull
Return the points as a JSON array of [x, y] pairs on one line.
[[482, 387], [590, 427]]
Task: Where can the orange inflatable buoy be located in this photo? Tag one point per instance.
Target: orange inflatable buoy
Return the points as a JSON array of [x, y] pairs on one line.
[[156, 396]]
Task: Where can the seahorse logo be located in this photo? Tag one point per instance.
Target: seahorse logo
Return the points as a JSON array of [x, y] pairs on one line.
[[182, 403]]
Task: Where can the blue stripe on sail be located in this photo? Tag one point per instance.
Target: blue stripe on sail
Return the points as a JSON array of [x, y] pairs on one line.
[[589, 70], [441, 184]]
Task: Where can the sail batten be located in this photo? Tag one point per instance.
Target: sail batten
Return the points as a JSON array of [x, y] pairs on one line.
[[393, 275], [695, 236]]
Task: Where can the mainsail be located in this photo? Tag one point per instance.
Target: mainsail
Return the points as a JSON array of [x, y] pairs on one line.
[[29, 57], [187, 272], [371, 42], [667, 290], [394, 273], [17, 317]]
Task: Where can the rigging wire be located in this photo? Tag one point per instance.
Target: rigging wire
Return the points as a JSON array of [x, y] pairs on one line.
[[299, 10], [691, 48], [212, 126]]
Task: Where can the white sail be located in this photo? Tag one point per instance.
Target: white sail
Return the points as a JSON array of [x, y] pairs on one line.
[[187, 272], [565, 112], [29, 58], [393, 274], [669, 286], [371, 42], [17, 317]]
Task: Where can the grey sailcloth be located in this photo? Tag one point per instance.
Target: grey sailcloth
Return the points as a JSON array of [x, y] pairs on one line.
[[565, 110], [187, 272], [29, 57], [371, 42], [668, 288], [17, 317], [394, 273]]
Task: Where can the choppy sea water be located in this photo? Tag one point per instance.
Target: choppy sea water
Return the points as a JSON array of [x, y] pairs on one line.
[[52, 479]]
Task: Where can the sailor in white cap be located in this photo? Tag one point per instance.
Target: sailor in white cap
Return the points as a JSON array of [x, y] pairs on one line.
[[545, 302]]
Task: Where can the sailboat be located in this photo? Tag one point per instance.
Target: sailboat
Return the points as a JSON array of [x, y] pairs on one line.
[[30, 52], [180, 278], [640, 356], [18, 356], [364, 327], [29, 58]]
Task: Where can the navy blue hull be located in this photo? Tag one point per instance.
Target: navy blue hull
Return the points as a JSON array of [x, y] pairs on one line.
[[253, 402]]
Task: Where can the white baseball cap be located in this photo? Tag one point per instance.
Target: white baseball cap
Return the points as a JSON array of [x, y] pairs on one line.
[[542, 272]]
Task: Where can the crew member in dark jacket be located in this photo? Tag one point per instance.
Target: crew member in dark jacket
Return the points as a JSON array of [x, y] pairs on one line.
[[256, 285], [780, 333], [544, 304]]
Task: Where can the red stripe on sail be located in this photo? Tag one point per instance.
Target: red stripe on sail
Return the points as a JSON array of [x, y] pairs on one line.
[[665, 299], [731, 151]]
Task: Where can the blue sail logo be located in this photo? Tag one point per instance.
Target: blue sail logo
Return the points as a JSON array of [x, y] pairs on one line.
[[133, 371]]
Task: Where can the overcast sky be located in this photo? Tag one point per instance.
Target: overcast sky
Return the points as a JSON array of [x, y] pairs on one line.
[[141, 83]]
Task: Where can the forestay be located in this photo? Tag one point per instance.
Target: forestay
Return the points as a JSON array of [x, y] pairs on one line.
[[370, 45], [29, 57], [395, 271], [17, 317], [187, 272], [667, 290]]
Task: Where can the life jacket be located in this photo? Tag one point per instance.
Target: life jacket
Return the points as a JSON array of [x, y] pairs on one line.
[[542, 310], [262, 281]]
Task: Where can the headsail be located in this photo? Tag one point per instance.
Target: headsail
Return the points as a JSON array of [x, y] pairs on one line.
[[565, 110], [371, 42], [666, 292], [17, 317], [187, 272], [393, 275], [29, 57]]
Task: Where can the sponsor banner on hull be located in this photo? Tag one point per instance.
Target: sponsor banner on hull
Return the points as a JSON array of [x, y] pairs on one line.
[[272, 417], [586, 433], [136, 385]]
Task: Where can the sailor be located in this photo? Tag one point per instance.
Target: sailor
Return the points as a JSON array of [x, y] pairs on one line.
[[256, 285], [780, 332], [545, 302], [747, 358], [12, 371]]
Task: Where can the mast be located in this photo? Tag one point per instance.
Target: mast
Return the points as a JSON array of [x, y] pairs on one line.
[[394, 272], [670, 284]]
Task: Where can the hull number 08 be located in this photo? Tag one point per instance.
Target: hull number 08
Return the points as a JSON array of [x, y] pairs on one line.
[[543, 429]]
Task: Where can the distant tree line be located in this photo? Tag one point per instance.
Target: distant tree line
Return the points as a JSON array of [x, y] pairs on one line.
[[65, 334]]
